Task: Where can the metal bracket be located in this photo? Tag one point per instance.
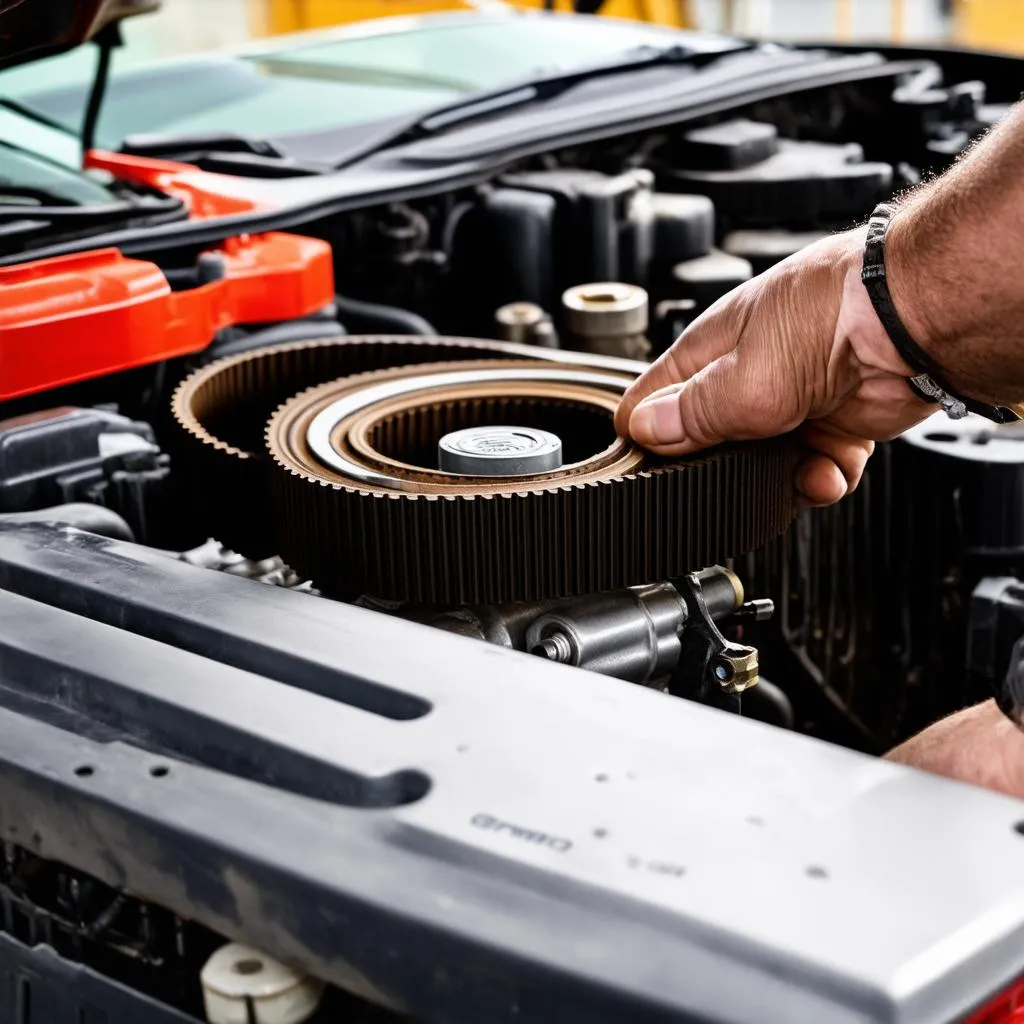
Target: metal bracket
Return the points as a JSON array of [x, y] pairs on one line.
[[721, 667]]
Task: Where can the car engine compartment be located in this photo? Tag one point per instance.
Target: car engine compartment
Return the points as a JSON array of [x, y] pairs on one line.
[[427, 433]]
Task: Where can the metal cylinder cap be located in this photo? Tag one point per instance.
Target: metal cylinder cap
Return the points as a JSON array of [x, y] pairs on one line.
[[605, 309], [518, 320], [499, 451]]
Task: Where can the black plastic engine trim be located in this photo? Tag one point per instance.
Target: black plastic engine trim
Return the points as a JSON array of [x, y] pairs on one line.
[[38, 986]]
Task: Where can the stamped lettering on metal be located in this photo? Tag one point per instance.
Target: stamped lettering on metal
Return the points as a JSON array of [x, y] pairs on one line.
[[492, 824]]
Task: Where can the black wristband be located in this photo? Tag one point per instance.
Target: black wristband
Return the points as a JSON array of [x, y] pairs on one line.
[[929, 382], [1010, 689]]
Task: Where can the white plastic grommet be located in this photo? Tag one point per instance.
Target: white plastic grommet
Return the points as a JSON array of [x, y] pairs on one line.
[[243, 986]]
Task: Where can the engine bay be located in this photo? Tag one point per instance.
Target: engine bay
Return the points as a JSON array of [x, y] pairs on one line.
[[407, 407], [306, 436]]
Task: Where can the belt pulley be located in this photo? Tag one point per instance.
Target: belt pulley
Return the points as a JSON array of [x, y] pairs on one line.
[[348, 490]]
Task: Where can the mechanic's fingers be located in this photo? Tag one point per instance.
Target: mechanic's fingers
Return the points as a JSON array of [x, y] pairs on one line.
[[701, 343], [719, 403], [819, 481], [848, 454]]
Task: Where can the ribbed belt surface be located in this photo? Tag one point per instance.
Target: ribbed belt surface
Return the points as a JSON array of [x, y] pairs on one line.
[[625, 521]]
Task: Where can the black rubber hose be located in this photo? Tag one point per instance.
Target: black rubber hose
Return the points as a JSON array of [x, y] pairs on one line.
[[279, 334], [766, 702], [79, 514], [373, 318]]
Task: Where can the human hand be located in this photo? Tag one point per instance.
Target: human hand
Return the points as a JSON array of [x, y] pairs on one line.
[[797, 348], [979, 745]]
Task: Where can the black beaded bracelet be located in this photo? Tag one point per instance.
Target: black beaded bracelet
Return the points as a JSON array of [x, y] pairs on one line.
[[928, 382]]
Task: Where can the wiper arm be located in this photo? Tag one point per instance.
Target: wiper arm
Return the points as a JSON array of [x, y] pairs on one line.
[[545, 88], [170, 144]]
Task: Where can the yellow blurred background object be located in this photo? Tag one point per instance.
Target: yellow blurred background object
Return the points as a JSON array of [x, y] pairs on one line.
[[982, 24], [990, 24], [274, 16]]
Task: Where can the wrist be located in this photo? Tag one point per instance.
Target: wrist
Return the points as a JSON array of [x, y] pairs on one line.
[[907, 289], [858, 322], [930, 379]]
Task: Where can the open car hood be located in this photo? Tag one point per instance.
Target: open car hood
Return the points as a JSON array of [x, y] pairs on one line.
[[30, 29]]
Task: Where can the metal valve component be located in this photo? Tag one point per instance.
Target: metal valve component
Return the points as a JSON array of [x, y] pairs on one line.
[[630, 634], [663, 635], [609, 318], [709, 664], [526, 323], [499, 451], [638, 634]]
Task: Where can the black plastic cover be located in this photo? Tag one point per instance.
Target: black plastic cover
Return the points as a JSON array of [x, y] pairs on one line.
[[605, 222], [684, 227], [37, 986], [967, 477], [537, 234], [707, 278], [93, 455], [766, 247], [795, 183], [731, 146], [503, 251]]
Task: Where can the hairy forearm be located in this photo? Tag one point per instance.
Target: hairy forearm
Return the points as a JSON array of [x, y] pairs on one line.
[[955, 263], [979, 745]]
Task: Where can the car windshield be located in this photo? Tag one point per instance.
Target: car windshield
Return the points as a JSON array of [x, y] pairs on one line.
[[324, 80]]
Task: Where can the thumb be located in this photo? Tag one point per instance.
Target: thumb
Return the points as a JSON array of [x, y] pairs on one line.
[[719, 403]]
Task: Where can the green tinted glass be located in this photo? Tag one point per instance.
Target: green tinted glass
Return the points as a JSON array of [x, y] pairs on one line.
[[329, 81]]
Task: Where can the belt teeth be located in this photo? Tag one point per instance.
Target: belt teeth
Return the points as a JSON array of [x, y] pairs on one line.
[[222, 410], [590, 537], [461, 548]]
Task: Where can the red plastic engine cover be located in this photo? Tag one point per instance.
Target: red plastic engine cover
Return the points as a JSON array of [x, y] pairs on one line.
[[74, 317]]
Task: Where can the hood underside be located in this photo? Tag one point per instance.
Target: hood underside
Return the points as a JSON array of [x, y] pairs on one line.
[[31, 29]]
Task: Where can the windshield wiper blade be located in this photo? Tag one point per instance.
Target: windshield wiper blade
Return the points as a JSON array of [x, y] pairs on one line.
[[548, 87], [168, 144]]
